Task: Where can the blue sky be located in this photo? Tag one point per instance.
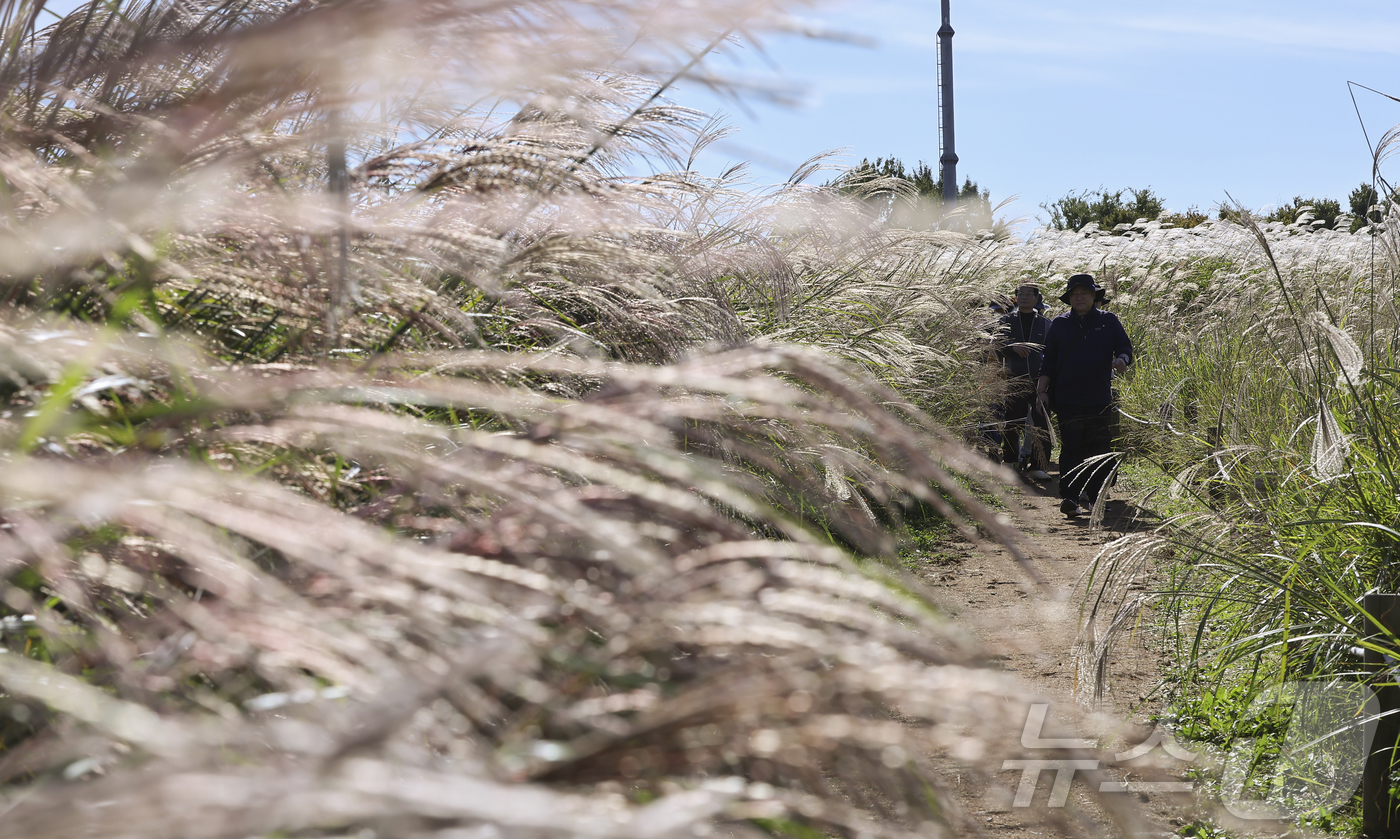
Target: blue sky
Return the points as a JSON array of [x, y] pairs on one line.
[[1192, 98]]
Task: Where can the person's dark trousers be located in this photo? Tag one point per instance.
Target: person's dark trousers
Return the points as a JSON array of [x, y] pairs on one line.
[[1085, 431], [1019, 399]]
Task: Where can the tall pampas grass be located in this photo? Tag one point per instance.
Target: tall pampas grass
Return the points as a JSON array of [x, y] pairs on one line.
[[324, 613], [1279, 428], [399, 437]]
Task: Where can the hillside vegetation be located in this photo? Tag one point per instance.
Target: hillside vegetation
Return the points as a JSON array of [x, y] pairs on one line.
[[400, 435]]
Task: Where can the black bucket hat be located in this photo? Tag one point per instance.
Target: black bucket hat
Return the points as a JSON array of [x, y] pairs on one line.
[[1086, 280]]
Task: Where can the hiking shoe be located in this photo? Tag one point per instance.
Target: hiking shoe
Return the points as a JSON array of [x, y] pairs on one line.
[[1039, 474], [1070, 507]]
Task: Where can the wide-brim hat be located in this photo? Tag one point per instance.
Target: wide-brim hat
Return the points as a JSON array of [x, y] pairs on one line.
[[1086, 280]]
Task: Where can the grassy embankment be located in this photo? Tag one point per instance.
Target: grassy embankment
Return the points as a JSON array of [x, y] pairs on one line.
[[1265, 402]]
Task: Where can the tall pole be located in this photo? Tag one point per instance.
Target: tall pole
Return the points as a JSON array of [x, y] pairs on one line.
[[949, 158]]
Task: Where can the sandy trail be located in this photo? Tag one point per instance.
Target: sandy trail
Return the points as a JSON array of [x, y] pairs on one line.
[[1031, 632]]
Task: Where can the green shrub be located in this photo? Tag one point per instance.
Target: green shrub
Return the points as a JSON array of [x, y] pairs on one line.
[[1324, 210], [1367, 207], [1104, 208], [913, 198], [1187, 220]]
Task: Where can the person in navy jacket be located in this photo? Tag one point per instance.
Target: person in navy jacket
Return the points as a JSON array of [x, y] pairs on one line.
[[1020, 336], [1083, 348]]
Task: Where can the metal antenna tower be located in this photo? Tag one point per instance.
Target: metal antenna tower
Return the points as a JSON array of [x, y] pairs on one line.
[[947, 154]]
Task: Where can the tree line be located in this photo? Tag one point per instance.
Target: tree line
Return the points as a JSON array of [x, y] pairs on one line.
[[912, 197], [1110, 209]]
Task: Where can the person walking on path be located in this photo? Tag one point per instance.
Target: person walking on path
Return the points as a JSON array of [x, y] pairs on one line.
[[1083, 348], [1020, 342]]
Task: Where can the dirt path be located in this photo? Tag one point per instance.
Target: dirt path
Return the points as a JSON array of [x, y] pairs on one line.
[[1032, 633]]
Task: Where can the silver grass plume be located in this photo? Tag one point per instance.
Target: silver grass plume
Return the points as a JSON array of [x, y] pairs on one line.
[[1330, 445], [1349, 355]]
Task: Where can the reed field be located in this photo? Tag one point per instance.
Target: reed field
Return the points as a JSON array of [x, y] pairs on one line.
[[401, 438], [1263, 406]]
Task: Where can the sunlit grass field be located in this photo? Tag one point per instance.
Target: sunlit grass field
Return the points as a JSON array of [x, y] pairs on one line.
[[400, 437]]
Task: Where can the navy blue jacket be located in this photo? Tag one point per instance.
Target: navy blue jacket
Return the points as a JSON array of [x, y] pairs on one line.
[[1079, 355], [1010, 330]]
